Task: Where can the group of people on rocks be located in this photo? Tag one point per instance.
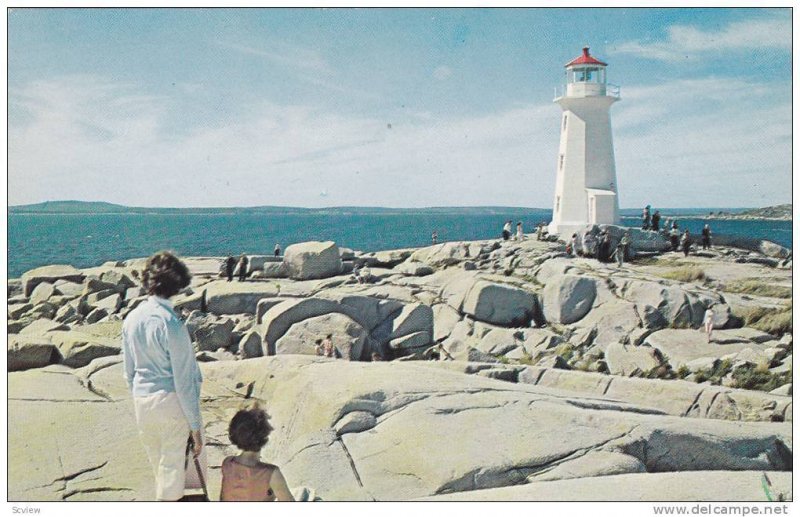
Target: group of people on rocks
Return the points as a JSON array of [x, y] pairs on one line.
[[161, 372], [239, 269], [231, 267], [519, 235]]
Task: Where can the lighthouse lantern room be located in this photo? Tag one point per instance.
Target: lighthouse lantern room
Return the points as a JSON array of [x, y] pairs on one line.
[[586, 183]]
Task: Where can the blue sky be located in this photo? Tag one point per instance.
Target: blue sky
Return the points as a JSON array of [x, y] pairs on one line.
[[389, 107]]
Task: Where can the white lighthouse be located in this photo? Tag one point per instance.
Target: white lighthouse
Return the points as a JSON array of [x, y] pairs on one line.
[[586, 178]]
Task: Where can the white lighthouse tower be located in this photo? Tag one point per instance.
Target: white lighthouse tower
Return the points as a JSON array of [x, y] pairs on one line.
[[586, 180]]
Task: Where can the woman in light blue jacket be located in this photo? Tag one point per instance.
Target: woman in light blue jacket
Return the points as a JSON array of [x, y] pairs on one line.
[[162, 373]]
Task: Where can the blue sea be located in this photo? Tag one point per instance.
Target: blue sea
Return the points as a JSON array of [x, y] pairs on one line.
[[85, 240]]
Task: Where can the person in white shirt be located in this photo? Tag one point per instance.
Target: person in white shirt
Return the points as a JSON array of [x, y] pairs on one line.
[[507, 231], [161, 372], [520, 234]]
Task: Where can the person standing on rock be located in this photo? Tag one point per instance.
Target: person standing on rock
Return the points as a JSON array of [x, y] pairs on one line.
[[434, 237], [686, 243], [708, 321], [646, 218], [161, 372], [706, 236], [540, 231], [622, 249], [574, 243], [230, 264], [242, 268], [277, 250], [674, 236], [520, 234], [656, 220], [507, 231]]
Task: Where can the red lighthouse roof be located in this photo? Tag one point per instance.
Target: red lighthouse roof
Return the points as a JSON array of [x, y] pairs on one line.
[[585, 59]]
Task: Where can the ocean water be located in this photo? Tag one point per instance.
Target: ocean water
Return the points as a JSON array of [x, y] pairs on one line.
[[86, 240]]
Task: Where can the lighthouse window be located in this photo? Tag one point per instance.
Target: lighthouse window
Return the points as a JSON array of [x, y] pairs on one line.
[[561, 158], [565, 122]]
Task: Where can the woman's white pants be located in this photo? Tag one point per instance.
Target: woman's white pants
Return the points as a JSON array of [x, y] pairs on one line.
[[164, 431]]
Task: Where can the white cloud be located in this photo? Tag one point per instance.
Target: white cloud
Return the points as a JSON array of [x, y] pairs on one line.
[[687, 42], [442, 72], [700, 143]]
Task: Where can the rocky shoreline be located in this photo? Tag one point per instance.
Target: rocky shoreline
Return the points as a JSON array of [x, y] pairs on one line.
[[565, 372]]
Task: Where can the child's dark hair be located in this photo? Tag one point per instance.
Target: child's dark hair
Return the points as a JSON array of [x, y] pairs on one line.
[[249, 429]]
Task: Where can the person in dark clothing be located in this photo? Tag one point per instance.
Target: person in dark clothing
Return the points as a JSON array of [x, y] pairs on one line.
[[686, 243], [656, 220], [604, 248], [706, 237], [507, 231], [277, 250], [242, 268], [646, 218], [230, 264]]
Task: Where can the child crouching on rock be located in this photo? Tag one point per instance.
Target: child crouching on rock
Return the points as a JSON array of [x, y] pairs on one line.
[[245, 477]]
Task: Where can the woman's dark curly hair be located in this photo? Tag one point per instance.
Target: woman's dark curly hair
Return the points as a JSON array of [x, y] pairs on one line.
[[249, 429], [165, 275]]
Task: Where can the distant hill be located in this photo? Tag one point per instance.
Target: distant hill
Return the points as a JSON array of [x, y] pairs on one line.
[[99, 207], [777, 212]]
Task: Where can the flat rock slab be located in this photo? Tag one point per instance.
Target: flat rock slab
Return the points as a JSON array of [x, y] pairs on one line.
[[667, 486], [681, 346]]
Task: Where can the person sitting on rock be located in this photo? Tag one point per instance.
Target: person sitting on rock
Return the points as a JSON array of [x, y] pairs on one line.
[[245, 477], [328, 350], [242, 268], [318, 347], [365, 276]]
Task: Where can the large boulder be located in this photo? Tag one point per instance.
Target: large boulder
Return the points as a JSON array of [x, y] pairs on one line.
[[348, 336], [30, 279], [25, 352], [209, 332], [250, 345], [444, 319], [68, 288], [309, 260], [500, 304], [280, 318], [275, 270], [42, 292], [225, 298], [121, 281], [80, 348], [413, 318], [42, 326], [568, 298], [610, 322]]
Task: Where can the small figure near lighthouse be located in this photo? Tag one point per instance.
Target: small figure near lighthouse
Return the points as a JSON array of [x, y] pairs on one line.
[[586, 177]]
